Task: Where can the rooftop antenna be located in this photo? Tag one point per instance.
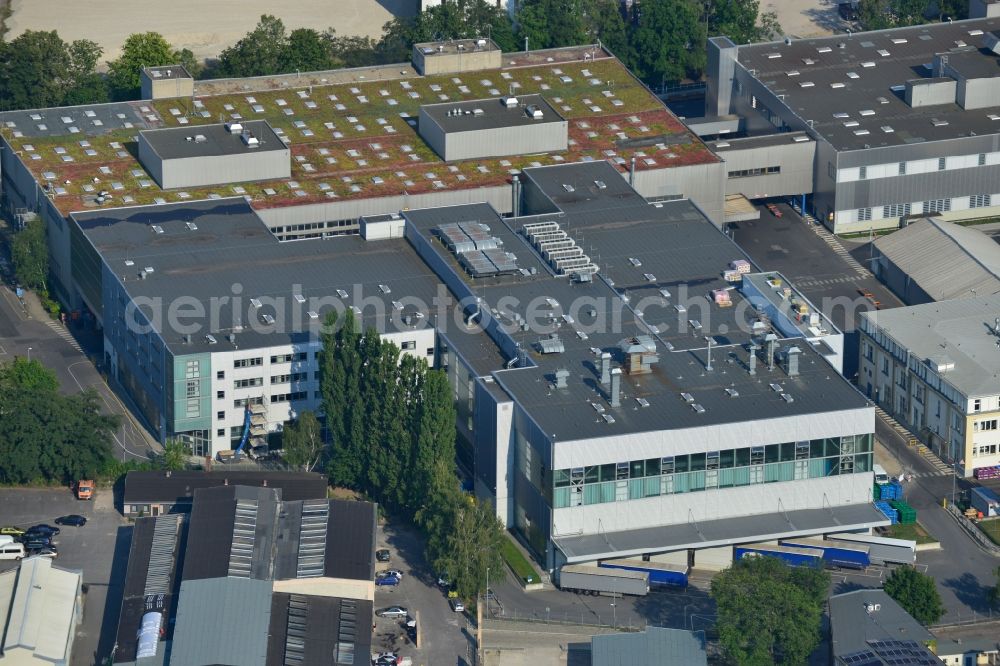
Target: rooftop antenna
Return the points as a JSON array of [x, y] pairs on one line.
[[708, 362]]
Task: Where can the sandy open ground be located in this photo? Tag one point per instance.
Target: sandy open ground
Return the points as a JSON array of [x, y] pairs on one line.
[[204, 26], [806, 18]]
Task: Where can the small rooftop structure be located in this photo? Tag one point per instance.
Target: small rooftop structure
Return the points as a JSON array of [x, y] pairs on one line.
[[40, 607], [510, 125], [232, 152], [456, 55], [166, 82]]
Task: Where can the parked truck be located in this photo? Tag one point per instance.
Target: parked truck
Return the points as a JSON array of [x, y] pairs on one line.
[[589, 579], [85, 489], [835, 554], [660, 573], [796, 557], [881, 550], [985, 502]]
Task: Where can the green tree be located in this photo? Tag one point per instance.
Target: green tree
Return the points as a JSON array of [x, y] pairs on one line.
[[302, 441], [551, 23], [472, 546], [340, 372], [603, 22], [353, 51], [916, 593], [452, 19], [34, 71], [741, 21], [260, 53], [669, 41], [84, 85], [30, 254], [141, 49], [433, 463], [881, 14], [24, 375], [307, 51], [768, 612], [175, 455], [45, 435]]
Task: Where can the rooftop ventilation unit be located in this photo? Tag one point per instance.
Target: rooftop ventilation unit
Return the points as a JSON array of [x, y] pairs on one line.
[[800, 139], [478, 112], [341, 293], [561, 376], [551, 345], [698, 409], [267, 319], [210, 339], [687, 397], [200, 138], [234, 127], [157, 229], [510, 101], [249, 140], [191, 226], [534, 112], [640, 354]]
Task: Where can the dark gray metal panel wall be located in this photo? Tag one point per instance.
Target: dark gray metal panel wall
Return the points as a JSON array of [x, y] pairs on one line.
[[795, 160], [150, 160], [719, 76], [432, 133], [918, 187]]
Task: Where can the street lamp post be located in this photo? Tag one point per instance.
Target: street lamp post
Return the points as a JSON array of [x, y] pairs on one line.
[[29, 354]]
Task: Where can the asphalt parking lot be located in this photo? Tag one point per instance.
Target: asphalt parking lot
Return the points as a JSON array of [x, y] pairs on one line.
[[99, 549], [446, 636]]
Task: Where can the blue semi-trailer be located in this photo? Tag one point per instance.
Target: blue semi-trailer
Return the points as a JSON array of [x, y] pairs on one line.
[[796, 557], [660, 573], [842, 555]]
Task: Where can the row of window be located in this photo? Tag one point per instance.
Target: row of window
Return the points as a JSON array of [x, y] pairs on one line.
[[248, 383], [248, 362], [685, 482], [984, 450], [984, 426], [309, 226], [288, 358], [291, 377], [724, 459], [930, 165], [760, 171], [929, 206]]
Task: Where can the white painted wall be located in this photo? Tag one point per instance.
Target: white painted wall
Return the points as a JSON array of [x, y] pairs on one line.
[[714, 504], [643, 445]]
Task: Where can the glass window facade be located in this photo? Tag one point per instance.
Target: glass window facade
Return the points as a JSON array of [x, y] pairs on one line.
[[636, 479]]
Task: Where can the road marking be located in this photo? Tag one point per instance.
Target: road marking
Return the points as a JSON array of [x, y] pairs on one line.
[[61, 331]]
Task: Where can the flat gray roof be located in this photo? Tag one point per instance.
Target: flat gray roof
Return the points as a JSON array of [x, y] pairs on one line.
[[675, 249], [655, 645], [961, 331], [865, 78], [722, 532], [211, 140], [222, 621], [724, 145], [167, 72], [490, 113], [453, 46]]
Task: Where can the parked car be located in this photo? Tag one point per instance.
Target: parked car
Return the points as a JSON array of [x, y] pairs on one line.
[[50, 553], [37, 543], [391, 572], [774, 210], [390, 659], [387, 580], [12, 531], [444, 580], [72, 519], [457, 605], [393, 611], [381, 555], [43, 529]]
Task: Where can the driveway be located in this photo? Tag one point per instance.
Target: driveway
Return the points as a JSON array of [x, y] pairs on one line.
[[99, 549], [446, 637]]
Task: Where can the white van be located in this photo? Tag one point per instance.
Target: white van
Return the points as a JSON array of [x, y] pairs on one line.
[[11, 551], [6, 539], [881, 477]]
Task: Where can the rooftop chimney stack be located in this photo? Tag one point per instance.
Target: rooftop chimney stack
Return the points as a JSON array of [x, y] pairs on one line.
[[708, 356], [772, 343], [605, 368], [561, 376], [793, 361], [616, 387], [753, 358]]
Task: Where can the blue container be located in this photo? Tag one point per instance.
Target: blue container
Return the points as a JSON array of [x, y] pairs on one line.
[[888, 511]]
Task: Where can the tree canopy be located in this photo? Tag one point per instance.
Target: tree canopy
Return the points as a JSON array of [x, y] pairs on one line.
[[916, 593], [303, 442], [30, 254], [39, 69], [769, 612], [45, 435], [141, 49]]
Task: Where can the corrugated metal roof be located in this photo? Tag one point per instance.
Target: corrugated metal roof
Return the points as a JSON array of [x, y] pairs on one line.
[[222, 621], [959, 331], [946, 260], [42, 613], [852, 626], [656, 645]]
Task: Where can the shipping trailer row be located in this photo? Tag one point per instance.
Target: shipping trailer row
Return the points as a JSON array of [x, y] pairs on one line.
[[840, 555], [589, 579], [660, 573], [881, 550], [796, 557]]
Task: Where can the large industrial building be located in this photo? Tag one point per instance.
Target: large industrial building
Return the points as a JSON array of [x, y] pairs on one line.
[[905, 121], [250, 578], [312, 157], [41, 606], [934, 367]]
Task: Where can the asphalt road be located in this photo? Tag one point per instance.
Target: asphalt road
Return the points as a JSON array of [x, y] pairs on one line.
[[446, 637], [99, 549], [29, 332]]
